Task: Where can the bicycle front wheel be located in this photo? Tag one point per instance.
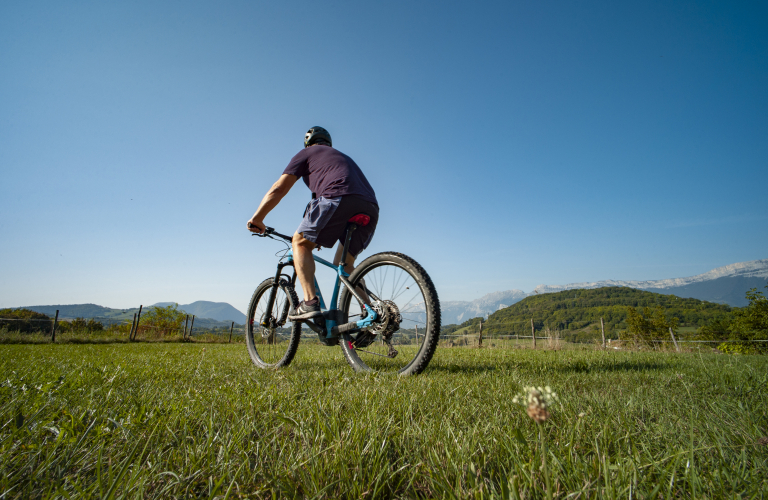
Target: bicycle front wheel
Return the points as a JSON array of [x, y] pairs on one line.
[[405, 338], [272, 340]]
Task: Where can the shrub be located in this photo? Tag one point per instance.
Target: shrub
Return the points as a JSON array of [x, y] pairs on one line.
[[742, 348], [643, 329], [160, 322], [25, 320]]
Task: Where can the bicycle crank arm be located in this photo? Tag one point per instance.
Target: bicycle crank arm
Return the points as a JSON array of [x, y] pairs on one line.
[[315, 328], [345, 328], [356, 325]]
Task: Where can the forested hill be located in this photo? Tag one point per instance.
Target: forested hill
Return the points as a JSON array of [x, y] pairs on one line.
[[84, 311], [582, 309]]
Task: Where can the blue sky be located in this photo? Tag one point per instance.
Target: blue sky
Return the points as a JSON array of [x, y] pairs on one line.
[[510, 144]]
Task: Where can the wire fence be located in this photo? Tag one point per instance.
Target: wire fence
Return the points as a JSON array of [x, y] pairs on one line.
[[116, 327], [474, 336], [478, 336]]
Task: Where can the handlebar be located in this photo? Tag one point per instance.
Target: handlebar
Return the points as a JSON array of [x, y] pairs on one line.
[[268, 231]]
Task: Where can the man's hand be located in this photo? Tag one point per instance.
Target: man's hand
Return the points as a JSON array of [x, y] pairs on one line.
[[256, 226]]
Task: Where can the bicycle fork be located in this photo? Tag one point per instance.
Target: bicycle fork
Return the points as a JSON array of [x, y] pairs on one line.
[[269, 321]]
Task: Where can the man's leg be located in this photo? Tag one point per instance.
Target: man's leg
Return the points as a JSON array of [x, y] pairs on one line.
[[349, 266], [305, 265]]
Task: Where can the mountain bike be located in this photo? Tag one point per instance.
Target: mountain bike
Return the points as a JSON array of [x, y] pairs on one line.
[[385, 315]]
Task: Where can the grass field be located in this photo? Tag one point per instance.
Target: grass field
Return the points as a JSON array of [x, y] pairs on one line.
[[196, 420]]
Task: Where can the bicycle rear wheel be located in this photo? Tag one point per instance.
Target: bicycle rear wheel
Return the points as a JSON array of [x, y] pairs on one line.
[[405, 298], [272, 346]]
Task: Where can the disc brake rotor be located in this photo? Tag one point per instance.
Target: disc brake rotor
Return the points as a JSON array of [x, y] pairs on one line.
[[267, 331], [382, 318]]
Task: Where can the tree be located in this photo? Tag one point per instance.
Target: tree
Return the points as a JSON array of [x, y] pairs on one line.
[[751, 322], [161, 321], [649, 326], [742, 324], [717, 329]]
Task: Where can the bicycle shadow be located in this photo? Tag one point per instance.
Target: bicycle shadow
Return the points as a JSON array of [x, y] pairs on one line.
[[580, 367]]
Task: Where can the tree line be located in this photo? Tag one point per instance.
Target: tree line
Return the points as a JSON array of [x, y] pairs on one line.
[[639, 314], [156, 322]]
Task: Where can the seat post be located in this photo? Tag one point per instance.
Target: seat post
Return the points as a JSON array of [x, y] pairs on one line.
[[350, 229]]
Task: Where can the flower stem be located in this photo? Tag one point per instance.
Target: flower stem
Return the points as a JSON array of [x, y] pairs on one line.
[[544, 462]]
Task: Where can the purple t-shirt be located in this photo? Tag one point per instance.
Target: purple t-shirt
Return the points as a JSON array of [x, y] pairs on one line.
[[330, 173]]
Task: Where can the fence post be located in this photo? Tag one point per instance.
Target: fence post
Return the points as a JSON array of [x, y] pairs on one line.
[[53, 329], [417, 334], [677, 347], [186, 324], [191, 326], [133, 325], [138, 319], [533, 334], [230, 331], [602, 330], [480, 338]]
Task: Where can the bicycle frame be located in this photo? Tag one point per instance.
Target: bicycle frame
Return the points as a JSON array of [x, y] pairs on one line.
[[334, 323]]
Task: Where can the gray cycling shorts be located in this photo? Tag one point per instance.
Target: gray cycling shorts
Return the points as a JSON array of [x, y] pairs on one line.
[[325, 222]]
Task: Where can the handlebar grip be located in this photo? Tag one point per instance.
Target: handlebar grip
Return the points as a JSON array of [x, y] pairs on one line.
[[267, 229], [271, 230]]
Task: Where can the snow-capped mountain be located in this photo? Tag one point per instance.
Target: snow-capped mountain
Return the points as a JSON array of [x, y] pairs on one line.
[[725, 285], [458, 311], [751, 269]]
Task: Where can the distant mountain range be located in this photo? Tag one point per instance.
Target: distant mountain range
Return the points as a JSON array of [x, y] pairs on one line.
[[723, 285], [216, 312], [755, 271], [458, 311], [220, 311]]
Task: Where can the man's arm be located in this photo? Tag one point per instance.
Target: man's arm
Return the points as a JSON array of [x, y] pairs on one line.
[[271, 199]]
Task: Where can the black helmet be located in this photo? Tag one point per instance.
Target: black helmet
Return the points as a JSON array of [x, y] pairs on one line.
[[316, 135]]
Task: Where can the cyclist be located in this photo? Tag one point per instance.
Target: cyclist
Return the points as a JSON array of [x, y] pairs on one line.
[[339, 192]]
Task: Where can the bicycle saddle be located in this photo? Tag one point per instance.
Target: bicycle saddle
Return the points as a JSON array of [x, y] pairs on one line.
[[360, 219]]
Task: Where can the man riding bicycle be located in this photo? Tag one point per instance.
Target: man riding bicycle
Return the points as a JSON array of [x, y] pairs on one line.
[[339, 192]]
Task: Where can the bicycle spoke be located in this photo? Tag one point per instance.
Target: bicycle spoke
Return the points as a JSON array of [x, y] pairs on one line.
[[376, 283], [395, 286], [418, 293], [403, 291]]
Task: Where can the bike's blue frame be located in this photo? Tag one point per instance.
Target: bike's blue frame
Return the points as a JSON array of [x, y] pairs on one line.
[[331, 323]]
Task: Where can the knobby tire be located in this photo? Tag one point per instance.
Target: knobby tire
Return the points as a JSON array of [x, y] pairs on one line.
[[414, 352], [278, 349]]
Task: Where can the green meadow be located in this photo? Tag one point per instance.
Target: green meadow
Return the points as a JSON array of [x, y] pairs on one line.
[[199, 420]]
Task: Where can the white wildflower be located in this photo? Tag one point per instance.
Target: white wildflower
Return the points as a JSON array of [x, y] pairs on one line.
[[537, 401]]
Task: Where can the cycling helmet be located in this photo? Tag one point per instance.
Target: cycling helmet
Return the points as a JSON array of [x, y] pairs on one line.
[[316, 135]]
